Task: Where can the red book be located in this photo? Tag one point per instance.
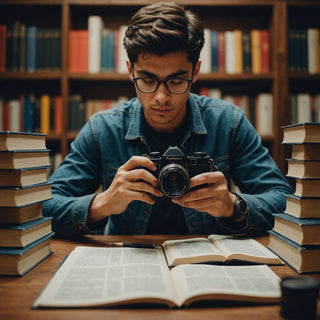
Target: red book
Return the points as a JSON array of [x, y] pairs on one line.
[[57, 114], [5, 117], [221, 52], [204, 91], [73, 51], [3, 46], [264, 51], [83, 51]]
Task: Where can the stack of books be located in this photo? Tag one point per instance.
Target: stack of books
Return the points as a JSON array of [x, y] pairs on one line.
[[296, 233], [24, 233]]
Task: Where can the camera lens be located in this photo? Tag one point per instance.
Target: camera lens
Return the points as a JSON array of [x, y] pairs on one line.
[[173, 180]]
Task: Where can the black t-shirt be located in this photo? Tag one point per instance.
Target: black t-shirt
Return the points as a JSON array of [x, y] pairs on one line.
[[166, 217]]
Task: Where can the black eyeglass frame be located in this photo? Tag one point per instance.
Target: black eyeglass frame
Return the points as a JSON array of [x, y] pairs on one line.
[[135, 79]]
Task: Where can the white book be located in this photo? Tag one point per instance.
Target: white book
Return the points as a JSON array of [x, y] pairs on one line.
[[122, 53], [304, 112], [230, 52], [15, 115], [95, 27], [311, 43], [205, 54], [264, 114], [215, 93]]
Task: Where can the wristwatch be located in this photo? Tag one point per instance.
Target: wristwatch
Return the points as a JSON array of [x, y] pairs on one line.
[[240, 209]]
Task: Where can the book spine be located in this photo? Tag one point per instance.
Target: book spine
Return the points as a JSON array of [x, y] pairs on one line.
[[238, 51], [45, 114], [31, 49], [264, 114], [256, 51], [3, 47], [246, 48], [230, 52], [214, 51], [221, 52], [265, 51], [15, 115], [95, 27], [311, 47]]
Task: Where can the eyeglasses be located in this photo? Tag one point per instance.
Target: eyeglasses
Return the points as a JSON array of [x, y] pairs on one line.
[[150, 84]]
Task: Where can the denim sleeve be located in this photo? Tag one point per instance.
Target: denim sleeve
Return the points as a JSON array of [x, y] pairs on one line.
[[74, 185], [261, 183]]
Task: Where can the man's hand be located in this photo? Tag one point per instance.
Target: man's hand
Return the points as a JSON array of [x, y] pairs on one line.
[[214, 198], [128, 185]]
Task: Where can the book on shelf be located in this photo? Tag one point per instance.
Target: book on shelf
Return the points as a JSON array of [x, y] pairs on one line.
[[78, 50], [307, 187], [133, 276], [238, 51], [18, 159], [306, 151], [31, 48], [230, 52], [23, 177], [217, 248], [264, 114], [205, 54], [10, 141], [300, 230], [3, 47], [264, 35], [301, 132], [221, 52], [246, 51], [302, 207], [95, 27], [20, 214], [303, 168], [256, 50], [18, 261], [23, 234], [303, 259], [19, 196], [214, 51]]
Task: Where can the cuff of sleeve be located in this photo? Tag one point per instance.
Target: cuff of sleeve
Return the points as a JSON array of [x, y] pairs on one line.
[[80, 214], [246, 226]]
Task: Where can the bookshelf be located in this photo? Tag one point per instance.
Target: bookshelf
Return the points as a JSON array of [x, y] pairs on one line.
[[276, 16]]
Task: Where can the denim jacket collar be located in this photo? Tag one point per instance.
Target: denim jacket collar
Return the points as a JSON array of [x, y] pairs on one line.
[[135, 127]]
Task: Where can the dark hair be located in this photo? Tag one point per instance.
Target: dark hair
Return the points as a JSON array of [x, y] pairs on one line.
[[163, 28]]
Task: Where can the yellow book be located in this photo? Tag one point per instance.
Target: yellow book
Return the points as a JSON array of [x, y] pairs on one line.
[[317, 50], [256, 51], [45, 114], [238, 47]]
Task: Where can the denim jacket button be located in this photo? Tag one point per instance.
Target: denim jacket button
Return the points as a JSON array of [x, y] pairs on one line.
[[145, 211], [194, 223], [139, 231]]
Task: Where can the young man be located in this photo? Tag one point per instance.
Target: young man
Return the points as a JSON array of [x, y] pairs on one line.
[[163, 42]]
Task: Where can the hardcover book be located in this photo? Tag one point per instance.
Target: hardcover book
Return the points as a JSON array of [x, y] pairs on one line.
[[307, 187], [301, 132], [20, 214], [303, 168], [21, 141], [301, 231], [23, 177], [126, 276], [19, 196], [303, 259], [306, 151], [18, 261], [23, 234], [303, 207], [19, 159]]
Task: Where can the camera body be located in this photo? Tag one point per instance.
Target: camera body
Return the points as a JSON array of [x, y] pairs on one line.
[[174, 169]]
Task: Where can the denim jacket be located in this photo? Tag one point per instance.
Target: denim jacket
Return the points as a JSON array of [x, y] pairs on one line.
[[111, 137]]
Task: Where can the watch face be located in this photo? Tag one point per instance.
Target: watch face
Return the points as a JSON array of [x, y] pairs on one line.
[[242, 205]]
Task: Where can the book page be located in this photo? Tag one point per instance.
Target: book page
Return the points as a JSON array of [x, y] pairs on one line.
[[244, 249], [93, 276], [191, 251], [242, 283]]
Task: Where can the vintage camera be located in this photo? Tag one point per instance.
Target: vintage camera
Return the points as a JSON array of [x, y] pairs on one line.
[[174, 169]]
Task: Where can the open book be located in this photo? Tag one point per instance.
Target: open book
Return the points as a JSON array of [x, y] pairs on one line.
[[217, 248], [99, 277]]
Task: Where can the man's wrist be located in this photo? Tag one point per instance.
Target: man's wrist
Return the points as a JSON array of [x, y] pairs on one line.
[[240, 209]]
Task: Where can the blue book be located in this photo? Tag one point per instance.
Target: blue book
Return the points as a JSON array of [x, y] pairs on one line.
[[31, 49], [18, 261], [303, 231], [29, 105], [214, 50], [110, 51], [24, 234], [303, 259]]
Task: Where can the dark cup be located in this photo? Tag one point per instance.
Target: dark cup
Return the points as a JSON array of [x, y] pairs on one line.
[[299, 297]]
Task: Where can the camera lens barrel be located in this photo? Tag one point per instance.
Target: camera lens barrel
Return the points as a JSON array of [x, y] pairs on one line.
[[173, 180]]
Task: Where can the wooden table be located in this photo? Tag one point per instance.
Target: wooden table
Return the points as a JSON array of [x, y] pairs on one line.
[[18, 293]]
